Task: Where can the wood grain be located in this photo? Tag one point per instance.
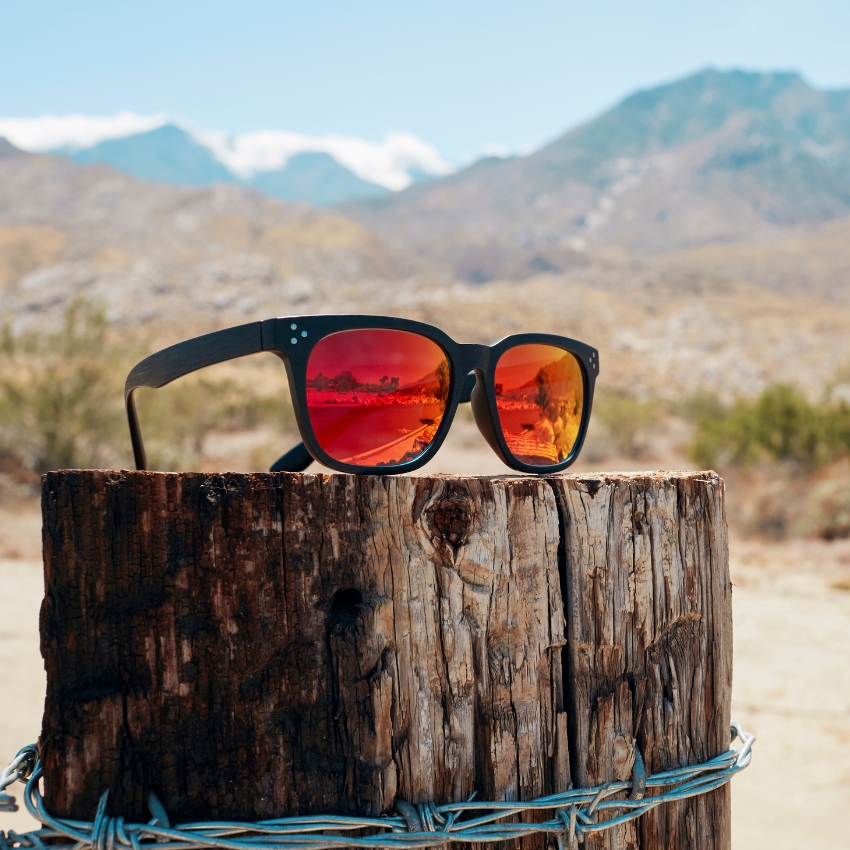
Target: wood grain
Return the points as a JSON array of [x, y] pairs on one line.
[[649, 632], [264, 645], [251, 646]]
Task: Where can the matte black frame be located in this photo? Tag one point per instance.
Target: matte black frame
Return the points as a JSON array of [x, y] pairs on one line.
[[293, 338]]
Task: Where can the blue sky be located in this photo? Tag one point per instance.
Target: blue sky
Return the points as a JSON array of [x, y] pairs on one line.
[[461, 75]]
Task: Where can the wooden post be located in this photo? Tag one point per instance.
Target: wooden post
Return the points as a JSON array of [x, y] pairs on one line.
[[251, 646]]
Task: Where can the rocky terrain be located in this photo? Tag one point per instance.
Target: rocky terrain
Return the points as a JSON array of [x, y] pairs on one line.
[[717, 157], [156, 252], [697, 233]]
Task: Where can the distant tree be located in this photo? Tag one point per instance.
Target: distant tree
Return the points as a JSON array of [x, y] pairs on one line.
[[345, 382], [443, 380], [543, 398]]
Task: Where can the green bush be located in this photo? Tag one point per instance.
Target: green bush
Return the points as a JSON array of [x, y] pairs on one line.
[[781, 425]]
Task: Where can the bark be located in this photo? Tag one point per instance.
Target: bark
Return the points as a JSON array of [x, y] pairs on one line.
[[252, 646]]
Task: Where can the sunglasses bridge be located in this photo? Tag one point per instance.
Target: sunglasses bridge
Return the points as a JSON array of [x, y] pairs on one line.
[[473, 358]]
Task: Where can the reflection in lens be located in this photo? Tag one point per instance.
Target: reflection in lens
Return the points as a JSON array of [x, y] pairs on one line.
[[539, 397], [376, 397]]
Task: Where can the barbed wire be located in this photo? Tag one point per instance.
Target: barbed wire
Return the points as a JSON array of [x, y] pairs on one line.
[[577, 813]]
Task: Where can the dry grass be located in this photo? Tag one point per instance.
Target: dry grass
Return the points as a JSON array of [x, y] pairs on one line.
[[24, 248]]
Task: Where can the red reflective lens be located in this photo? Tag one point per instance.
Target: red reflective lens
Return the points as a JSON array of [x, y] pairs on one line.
[[539, 397], [376, 397]]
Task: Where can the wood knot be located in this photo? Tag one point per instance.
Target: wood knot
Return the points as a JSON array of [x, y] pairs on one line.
[[675, 638], [449, 519], [344, 610]]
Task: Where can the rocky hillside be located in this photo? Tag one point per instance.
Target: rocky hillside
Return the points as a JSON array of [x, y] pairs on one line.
[[714, 158], [155, 251], [698, 234]]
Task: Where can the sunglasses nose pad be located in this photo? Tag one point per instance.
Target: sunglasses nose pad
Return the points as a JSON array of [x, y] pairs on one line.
[[483, 418], [468, 386]]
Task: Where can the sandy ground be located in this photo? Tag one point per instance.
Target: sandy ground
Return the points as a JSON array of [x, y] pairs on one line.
[[792, 671]]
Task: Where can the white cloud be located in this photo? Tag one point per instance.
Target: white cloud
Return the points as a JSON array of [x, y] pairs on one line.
[[504, 152], [500, 151], [385, 163], [79, 131]]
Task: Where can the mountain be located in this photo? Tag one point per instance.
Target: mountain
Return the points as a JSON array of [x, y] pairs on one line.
[[322, 171], [169, 154], [715, 157], [7, 149], [317, 178], [728, 318], [166, 154]]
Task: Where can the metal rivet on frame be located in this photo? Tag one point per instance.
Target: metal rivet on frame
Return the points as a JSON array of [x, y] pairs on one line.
[[293, 326], [303, 333], [294, 341]]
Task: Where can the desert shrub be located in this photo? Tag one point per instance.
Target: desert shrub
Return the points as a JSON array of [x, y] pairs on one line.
[[781, 426], [60, 393], [62, 402], [826, 509], [627, 422]]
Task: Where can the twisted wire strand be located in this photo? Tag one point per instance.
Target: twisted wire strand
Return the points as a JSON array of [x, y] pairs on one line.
[[576, 814]]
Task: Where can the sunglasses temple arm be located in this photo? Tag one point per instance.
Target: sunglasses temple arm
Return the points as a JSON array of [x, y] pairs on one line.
[[173, 362], [295, 460], [298, 458]]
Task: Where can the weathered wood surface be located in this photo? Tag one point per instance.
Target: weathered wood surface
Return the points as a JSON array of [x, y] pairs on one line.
[[649, 642], [253, 646]]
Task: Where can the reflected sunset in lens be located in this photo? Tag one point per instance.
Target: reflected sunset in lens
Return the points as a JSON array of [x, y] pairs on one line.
[[539, 398], [376, 397]]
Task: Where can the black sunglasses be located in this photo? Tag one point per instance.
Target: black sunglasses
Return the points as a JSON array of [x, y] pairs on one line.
[[376, 394]]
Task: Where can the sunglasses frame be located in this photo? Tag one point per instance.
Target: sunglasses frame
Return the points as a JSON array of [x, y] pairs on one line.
[[292, 339]]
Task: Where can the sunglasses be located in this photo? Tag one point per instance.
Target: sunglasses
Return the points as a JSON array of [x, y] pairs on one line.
[[375, 394]]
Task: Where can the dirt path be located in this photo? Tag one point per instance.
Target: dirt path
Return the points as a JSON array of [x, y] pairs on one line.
[[791, 606], [22, 679], [792, 685]]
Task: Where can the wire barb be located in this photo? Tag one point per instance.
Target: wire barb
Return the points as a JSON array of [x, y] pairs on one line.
[[576, 814], [638, 791]]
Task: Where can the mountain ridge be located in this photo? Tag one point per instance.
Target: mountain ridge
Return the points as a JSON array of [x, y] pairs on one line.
[[719, 156], [165, 154], [169, 154], [7, 149], [282, 163]]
